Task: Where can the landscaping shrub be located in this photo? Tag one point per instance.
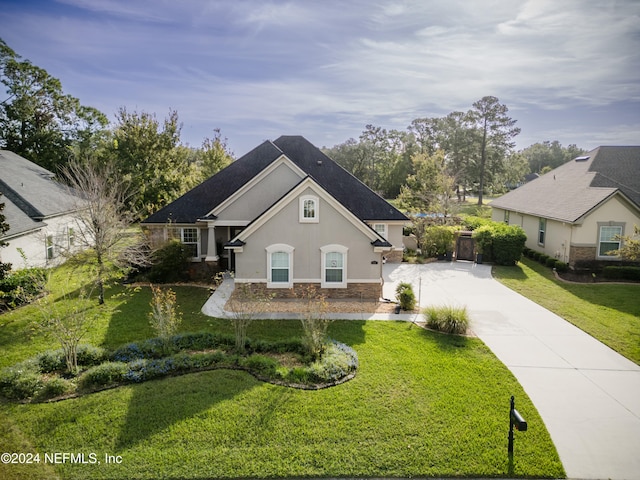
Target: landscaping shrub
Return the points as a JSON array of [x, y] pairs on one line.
[[508, 242], [89, 355], [561, 266], [260, 364], [21, 287], [405, 296], [447, 319], [51, 361], [500, 243], [20, 381], [550, 262], [438, 240], [55, 387], [104, 375], [543, 258], [483, 237], [169, 263], [471, 222], [338, 361], [621, 272]]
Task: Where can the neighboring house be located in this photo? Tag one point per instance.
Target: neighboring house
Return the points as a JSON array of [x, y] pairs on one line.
[[283, 215], [577, 211], [40, 213]]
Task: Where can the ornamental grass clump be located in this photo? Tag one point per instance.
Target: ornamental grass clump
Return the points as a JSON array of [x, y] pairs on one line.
[[447, 319]]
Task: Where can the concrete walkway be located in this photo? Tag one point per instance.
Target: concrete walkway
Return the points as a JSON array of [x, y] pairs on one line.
[[587, 394]]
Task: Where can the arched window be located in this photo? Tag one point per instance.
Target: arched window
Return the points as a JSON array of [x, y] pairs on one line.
[[280, 266], [309, 209], [334, 266]]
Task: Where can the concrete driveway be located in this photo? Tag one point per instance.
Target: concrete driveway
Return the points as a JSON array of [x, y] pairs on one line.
[[587, 394]]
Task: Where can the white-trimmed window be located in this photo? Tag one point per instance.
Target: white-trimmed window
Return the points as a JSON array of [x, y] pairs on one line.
[[279, 266], [542, 230], [334, 266], [309, 209], [381, 228], [50, 247], [71, 236], [189, 237], [609, 240]]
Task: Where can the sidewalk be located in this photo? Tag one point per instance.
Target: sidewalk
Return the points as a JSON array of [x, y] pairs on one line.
[[587, 394]]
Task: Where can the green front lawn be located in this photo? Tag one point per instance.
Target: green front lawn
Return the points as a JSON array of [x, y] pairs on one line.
[[422, 404], [608, 312]]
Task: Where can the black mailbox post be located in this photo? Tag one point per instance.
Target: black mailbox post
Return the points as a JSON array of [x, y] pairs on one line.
[[520, 424]]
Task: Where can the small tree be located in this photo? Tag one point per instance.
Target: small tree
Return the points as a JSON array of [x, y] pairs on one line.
[[314, 321], [630, 249], [68, 321], [164, 317], [245, 304]]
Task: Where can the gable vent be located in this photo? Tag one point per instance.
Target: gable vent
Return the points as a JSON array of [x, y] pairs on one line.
[[582, 159]]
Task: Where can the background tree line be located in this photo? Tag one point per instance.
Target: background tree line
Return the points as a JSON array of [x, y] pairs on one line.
[[434, 161], [43, 124], [437, 160]]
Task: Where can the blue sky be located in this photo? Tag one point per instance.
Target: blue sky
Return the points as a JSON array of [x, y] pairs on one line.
[[568, 70]]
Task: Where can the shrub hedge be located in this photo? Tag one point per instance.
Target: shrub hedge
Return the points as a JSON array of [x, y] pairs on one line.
[[621, 272], [500, 243]]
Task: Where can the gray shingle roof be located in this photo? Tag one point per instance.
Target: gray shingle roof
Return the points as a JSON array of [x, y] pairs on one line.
[[346, 188], [30, 194], [572, 190]]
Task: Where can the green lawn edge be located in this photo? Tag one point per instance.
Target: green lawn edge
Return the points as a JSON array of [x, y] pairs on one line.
[[421, 404], [608, 312]]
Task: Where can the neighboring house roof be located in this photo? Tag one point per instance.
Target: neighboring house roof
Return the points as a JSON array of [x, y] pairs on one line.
[[347, 189], [30, 194], [572, 190]]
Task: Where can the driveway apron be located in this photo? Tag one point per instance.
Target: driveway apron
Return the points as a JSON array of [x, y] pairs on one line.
[[587, 394]]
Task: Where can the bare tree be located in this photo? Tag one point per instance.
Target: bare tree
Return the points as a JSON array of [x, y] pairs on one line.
[[314, 320], [102, 221]]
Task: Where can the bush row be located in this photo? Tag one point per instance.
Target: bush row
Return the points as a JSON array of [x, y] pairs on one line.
[[141, 361], [337, 362], [621, 272], [546, 260], [159, 348]]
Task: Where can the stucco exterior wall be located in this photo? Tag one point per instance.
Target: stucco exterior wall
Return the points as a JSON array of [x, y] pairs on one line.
[[575, 242], [266, 192], [307, 239]]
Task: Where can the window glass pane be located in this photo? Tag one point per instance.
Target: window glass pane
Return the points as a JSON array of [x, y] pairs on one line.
[[279, 274], [190, 235], [334, 260], [333, 275], [607, 247], [608, 241], [609, 233], [309, 209], [279, 260]]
